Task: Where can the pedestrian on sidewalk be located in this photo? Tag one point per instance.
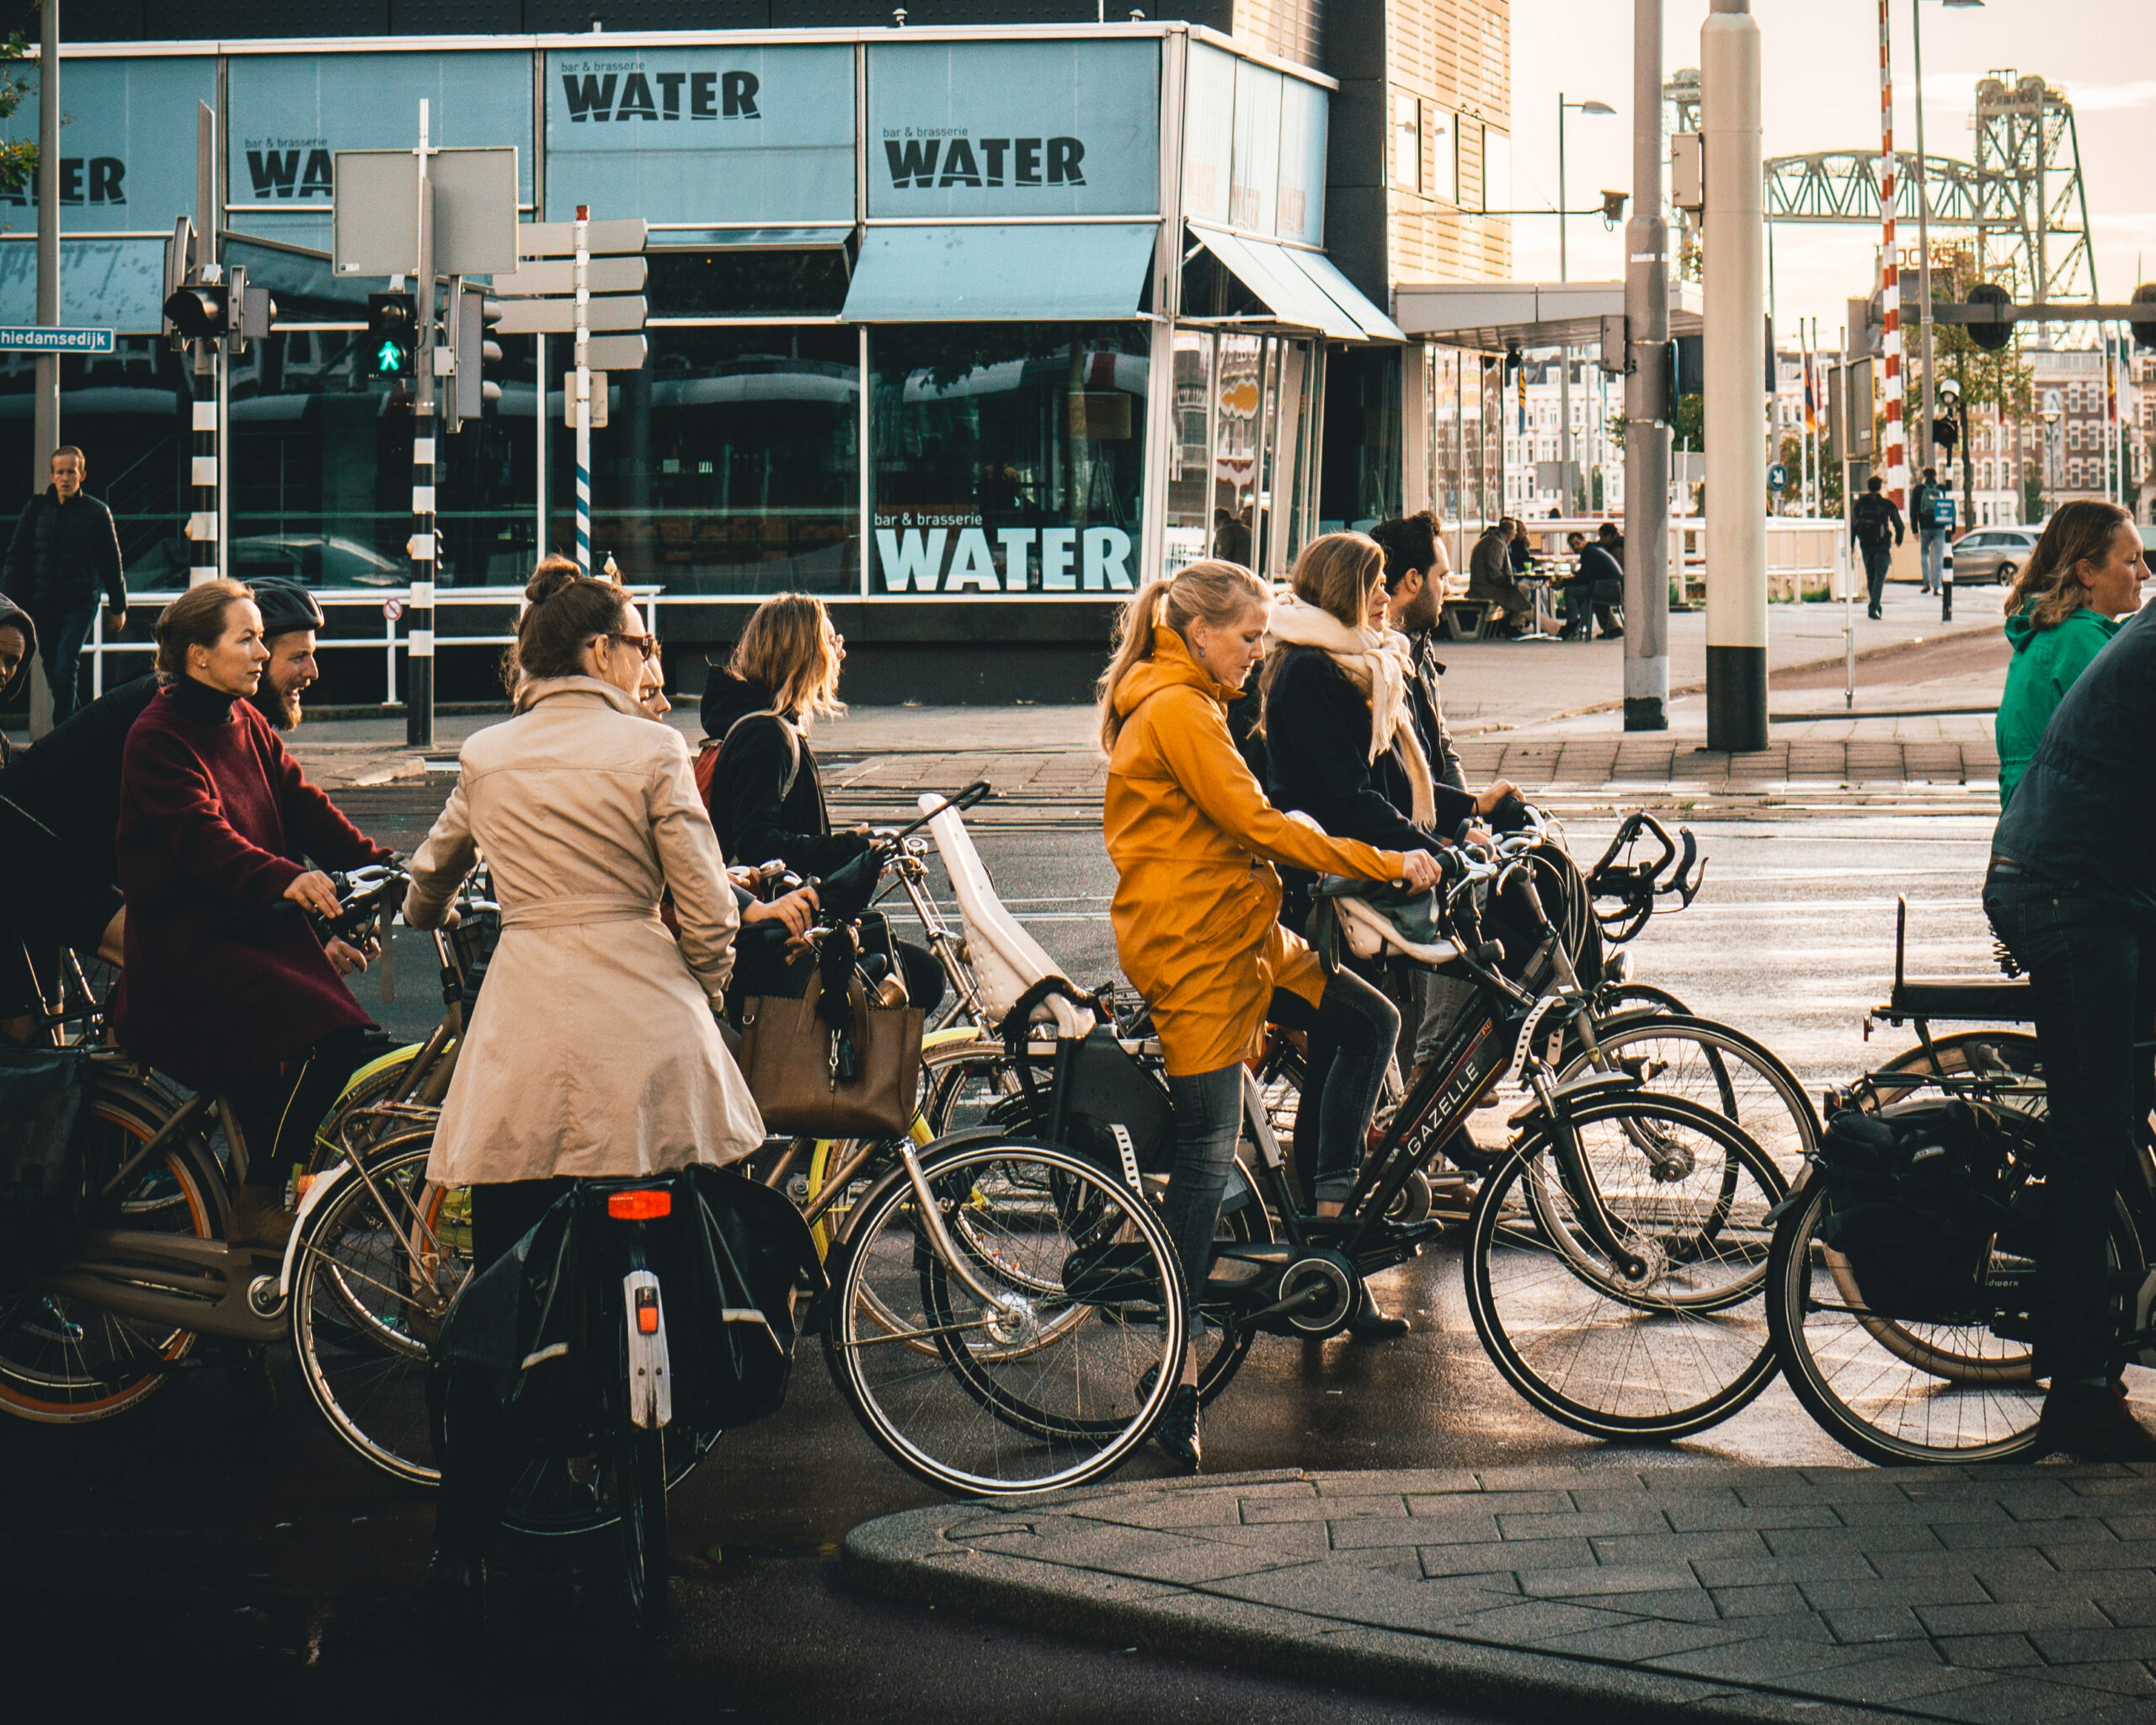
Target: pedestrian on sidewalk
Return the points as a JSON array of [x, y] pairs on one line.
[[1877, 524], [2071, 891], [1930, 521], [65, 551], [2085, 574], [1196, 905]]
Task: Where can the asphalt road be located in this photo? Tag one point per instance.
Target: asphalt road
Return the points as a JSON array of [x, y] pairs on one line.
[[252, 1561]]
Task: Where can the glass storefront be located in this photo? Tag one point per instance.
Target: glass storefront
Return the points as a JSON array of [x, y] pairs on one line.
[[1007, 457], [729, 466]]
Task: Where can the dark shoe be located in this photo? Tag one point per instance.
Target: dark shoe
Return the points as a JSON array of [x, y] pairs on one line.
[[259, 1220], [1875, 616], [1370, 1323], [2091, 1423], [1613, 634], [454, 1590], [1177, 1430]]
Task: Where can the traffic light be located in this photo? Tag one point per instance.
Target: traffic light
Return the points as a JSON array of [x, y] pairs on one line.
[[2144, 328], [474, 352], [201, 310], [1990, 337], [1945, 434], [392, 336]]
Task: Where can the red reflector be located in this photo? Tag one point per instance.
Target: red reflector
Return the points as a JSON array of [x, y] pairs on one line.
[[646, 1204], [648, 1319]]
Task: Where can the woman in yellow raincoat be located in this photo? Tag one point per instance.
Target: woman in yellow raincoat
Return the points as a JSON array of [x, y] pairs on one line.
[[1197, 903]]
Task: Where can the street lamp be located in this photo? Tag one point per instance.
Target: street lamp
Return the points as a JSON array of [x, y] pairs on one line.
[[1565, 274], [1924, 224]]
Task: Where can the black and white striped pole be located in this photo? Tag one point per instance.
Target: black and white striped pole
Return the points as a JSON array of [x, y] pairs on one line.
[[419, 618], [582, 333]]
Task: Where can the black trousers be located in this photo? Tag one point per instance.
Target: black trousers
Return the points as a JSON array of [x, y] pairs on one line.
[[476, 1451], [2092, 972], [280, 1108], [1877, 560]]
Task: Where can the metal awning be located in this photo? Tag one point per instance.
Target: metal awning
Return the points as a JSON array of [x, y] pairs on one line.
[[1493, 316], [1301, 288], [1034, 271]]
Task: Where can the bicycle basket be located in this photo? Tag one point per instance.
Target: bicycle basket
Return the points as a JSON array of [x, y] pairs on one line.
[[1913, 1202]]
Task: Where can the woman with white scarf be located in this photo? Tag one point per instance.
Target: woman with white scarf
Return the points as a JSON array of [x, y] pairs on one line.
[[1340, 746]]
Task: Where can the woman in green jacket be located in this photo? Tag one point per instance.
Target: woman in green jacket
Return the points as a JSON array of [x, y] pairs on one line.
[[2085, 574]]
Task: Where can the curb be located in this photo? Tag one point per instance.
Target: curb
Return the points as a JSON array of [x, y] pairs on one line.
[[909, 1558]]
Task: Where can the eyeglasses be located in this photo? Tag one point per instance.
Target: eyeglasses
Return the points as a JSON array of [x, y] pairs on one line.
[[647, 645]]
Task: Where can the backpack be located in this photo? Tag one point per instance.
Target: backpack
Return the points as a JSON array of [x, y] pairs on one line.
[[1875, 526], [709, 751]]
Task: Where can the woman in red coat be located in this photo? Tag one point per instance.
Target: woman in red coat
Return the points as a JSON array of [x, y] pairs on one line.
[[225, 985]]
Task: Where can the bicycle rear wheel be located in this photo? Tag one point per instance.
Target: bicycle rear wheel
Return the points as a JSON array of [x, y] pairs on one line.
[[1668, 1353], [1900, 1391], [1044, 1383], [66, 1361], [640, 1470]]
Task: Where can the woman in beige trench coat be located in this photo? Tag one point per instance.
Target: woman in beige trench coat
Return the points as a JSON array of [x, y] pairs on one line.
[[594, 1049]]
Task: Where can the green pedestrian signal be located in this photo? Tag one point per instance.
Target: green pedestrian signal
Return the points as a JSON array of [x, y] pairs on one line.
[[392, 334]]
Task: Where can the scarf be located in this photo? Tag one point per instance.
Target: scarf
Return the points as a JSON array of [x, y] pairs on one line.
[[1376, 661]]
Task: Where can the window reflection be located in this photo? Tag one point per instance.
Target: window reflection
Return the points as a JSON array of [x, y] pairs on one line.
[[1008, 458], [728, 466]]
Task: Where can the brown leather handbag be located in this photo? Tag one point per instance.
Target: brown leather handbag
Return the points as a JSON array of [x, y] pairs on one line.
[[828, 1067]]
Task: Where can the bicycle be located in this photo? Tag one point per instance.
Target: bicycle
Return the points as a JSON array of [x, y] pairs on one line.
[[1953, 1383]]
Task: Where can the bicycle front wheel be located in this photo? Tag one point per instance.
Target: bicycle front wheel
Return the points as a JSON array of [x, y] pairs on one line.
[[1045, 1294], [1661, 1355], [1718, 1067]]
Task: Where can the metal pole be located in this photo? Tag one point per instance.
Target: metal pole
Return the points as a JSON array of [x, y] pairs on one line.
[[583, 388], [419, 629], [48, 237], [1646, 410], [204, 540], [1890, 293], [1924, 441], [1565, 370], [1734, 284]]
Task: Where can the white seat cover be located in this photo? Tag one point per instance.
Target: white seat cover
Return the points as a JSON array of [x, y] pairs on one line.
[[1007, 961]]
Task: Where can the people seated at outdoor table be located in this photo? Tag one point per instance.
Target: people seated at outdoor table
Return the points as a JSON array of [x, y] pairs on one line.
[[1593, 590], [1491, 578]]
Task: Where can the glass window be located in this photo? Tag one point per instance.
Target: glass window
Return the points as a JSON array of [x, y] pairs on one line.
[[1496, 169], [1189, 522], [730, 465], [1008, 457], [1235, 447], [128, 411], [1406, 142], [1443, 176]]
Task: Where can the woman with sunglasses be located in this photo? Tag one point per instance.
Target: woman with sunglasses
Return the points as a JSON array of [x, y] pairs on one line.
[[594, 1050]]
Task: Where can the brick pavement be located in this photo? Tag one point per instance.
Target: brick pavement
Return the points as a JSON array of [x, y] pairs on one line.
[[1984, 1596]]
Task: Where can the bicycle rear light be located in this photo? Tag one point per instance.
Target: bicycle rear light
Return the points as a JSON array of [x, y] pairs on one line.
[[647, 1204], [647, 1311]]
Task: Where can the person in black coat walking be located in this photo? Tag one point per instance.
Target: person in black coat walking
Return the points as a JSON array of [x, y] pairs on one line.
[[761, 786], [64, 552], [1877, 526]]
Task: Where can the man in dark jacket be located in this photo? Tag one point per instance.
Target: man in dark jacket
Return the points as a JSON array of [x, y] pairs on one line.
[[1877, 526], [1490, 572], [1594, 591], [2072, 892], [1416, 566], [65, 551]]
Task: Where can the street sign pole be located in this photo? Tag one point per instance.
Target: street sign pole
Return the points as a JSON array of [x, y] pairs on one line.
[[583, 388], [419, 628], [48, 236], [205, 538]]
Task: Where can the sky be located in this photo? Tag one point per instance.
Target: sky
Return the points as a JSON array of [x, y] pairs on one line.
[[1819, 90]]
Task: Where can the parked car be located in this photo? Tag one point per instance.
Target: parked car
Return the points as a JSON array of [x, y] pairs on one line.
[[1992, 554], [313, 559]]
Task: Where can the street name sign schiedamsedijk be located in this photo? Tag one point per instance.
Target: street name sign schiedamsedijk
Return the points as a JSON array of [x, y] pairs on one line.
[[43, 339]]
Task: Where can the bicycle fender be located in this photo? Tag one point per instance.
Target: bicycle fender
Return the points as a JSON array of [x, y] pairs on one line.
[[650, 1374], [317, 1192]]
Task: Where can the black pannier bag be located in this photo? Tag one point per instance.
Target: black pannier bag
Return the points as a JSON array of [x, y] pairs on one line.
[[1112, 1099], [1914, 1198], [45, 1117]]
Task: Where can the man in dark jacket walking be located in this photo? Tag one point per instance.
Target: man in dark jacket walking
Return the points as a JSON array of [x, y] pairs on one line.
[[1877, 526], [64, 551]]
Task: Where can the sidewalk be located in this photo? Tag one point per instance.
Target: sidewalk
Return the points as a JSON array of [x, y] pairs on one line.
[[1990, 1595]]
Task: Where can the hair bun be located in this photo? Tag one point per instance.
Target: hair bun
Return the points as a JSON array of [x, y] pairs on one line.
[[550, 577]]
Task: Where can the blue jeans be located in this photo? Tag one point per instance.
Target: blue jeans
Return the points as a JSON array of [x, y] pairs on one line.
[[1932, 544], [2092, 972], [1208, 1108], [59, 645]]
